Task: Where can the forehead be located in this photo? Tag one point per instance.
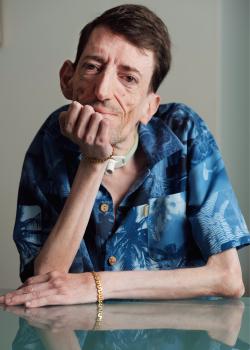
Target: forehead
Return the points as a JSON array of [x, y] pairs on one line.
[[116, 48]]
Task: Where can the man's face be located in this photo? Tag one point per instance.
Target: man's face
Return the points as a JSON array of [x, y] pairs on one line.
[[113, 76]]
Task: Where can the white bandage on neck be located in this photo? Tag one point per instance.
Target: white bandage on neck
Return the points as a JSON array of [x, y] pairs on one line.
[[119, 161]]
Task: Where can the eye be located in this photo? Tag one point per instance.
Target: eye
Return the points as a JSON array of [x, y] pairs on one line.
[[130, 79], [91, 68]]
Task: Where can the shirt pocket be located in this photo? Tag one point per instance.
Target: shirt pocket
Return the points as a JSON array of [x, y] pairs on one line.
[[167, 223]]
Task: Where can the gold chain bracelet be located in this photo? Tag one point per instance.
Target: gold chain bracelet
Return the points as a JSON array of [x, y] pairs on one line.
[[98, 287], [97, 160], [99, 313], [99, 316]]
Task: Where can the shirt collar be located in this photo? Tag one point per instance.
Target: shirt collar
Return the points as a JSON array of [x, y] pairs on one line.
[[158, 141]]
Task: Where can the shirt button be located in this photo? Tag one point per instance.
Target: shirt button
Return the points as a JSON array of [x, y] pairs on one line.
[[104, 207], [112, 260]]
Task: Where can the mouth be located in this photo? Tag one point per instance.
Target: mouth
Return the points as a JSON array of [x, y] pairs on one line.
[[103, 111]]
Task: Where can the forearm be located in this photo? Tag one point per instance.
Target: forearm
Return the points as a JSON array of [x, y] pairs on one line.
[[63, 242], [220, 276], [171, 284]]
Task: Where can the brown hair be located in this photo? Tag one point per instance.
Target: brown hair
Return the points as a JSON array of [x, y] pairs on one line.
[[141, 27]]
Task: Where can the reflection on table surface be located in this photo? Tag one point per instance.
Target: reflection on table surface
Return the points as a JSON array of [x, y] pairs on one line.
[[185, 324]]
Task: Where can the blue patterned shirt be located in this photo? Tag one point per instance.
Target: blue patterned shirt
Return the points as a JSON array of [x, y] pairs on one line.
[[177, 214]]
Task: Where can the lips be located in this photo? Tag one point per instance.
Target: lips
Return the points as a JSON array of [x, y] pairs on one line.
[[103, 111]]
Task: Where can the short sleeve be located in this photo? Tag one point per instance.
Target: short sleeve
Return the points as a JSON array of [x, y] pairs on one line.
[[213, 211]]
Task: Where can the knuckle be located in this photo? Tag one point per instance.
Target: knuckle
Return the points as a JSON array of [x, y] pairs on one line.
[[62, 289], [105, 123], [99, 144], [78, 134], [35, 294], [51, 284], [28, 289], [53, 274], [55, 283], [89, 139], [68, 126], [74, 105], [98, 117], [62, 115], [88, 109], [28, 281]]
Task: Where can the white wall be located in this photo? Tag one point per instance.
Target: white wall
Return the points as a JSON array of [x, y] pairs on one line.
[[39, 36]]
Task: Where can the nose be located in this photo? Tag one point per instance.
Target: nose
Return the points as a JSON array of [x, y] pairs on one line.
[[104, 86]]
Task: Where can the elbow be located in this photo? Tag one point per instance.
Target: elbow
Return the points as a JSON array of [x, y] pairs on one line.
[[231, 284], [238, 290]]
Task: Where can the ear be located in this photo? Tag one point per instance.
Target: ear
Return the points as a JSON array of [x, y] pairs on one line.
[[66, 74], [151, 107]]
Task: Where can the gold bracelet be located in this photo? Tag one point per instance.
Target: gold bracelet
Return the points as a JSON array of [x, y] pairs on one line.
[[99, 316], [98, 287], [97, 160]]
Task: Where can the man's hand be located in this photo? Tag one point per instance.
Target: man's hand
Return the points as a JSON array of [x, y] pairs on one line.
[[53, 288], [88, 129]]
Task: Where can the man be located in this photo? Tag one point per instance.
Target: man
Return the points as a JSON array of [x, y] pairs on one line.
[[114, 184]]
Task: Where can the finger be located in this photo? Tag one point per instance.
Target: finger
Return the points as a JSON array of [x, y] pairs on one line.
[[17, 310], [29, 293], [47, 300], [81, 125], [103, 134], [2, 299], [28, 287], [42, 315], [70, 117], [33, 315], [62, 117], [93, 127]]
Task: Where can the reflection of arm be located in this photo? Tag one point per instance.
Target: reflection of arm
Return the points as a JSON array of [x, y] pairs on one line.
[[64, 340], [221, 318], [222, 322]]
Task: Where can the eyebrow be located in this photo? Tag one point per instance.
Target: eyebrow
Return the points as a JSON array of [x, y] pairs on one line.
[[102, 61]]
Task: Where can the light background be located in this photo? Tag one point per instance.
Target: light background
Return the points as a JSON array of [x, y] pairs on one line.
[[210, 73]]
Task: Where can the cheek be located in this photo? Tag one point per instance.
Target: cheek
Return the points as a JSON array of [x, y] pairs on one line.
[[128, 103], [82, 91], [82, 88]]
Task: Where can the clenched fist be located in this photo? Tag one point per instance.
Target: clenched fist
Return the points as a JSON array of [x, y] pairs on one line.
[[88, 129]]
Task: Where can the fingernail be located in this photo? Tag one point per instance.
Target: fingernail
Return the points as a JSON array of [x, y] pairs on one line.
[[8, 300], [28, 303]]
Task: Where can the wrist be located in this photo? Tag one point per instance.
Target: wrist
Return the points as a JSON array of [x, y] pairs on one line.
[[93, 167], [99, 159]]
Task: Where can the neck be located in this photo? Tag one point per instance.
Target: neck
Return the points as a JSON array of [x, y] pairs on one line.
[[118, 161], [123, 147]]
